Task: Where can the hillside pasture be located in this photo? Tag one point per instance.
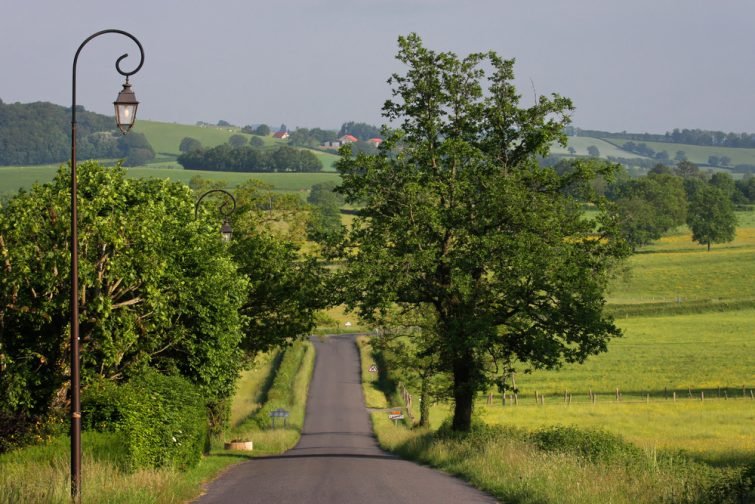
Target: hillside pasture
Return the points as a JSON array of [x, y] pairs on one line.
[[677, 270], [165, 137], [697, 154], [581, 144]]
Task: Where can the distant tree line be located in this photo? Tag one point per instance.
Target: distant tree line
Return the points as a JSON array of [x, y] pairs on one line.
[[250, 159], [671, 196], [40, 133]]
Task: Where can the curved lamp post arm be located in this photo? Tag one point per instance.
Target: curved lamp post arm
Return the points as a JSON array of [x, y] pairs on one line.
[[226, 231], [75, 370]]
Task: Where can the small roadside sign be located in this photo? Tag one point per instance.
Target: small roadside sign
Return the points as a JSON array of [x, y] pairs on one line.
[[278, 413], [396, 415], [373, 369]]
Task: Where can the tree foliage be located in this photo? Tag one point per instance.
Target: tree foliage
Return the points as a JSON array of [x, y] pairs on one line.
[[650, 206], [326, 211], [711, 215], [362, 131], [458, 215], [39, 133], [189, 144], [157, 289], [251, 159]]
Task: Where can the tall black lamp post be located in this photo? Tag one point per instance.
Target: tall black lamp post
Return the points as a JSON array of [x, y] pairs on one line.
[[225, 230], [125, 114]]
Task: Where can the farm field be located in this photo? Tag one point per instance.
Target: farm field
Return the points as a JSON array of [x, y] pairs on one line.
[[678, 270], [581, 144], [698, 154], [12, 177], [166, 138]]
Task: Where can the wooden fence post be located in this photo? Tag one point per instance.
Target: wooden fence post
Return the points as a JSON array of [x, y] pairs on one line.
[[675, 396]]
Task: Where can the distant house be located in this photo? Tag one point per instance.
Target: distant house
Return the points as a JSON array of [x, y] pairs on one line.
[[375, 142], [281, 135], [333, 144], [348, 139]]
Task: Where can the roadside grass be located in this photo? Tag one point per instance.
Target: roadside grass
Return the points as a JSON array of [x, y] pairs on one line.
[[336, 320], [580, 466], [288, 391], [41, 473], [373, 389], [253, 385]]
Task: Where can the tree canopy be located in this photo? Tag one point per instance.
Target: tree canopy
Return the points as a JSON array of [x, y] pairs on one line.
[[158, 289], [458, 216], [39, 133]]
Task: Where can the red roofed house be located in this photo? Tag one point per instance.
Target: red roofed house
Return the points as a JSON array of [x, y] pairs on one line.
[[348, 139], [375, 141], [281, 134]]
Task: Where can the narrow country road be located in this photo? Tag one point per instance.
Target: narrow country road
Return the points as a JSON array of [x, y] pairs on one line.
[[337, 460]]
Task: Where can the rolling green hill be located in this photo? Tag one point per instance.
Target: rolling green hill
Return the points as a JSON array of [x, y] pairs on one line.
[[166, 137]]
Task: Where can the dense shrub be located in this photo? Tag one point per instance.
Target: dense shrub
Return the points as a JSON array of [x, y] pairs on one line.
[[162, 418], [591, 444]]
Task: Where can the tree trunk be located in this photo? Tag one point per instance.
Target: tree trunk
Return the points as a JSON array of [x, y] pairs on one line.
[[424, 402], [464, 390], [708, 246]]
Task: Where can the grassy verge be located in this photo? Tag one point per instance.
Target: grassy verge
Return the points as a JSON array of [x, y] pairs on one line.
[[288, 391], [41, 473]]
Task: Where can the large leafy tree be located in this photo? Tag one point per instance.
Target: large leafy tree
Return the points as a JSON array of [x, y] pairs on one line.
[[458, 215], [711, 215], [284, 287], [650, 206], [158, 288]]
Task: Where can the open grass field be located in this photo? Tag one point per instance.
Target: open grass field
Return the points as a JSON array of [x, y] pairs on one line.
[[166, 137], [698, 154], [13, 178], [581, 144], [677, 270], [715, 431]]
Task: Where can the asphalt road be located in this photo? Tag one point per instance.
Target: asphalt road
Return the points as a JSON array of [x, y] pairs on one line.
[[337, 460]]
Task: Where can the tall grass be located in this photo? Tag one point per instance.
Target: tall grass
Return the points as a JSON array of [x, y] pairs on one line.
[[574, 466]]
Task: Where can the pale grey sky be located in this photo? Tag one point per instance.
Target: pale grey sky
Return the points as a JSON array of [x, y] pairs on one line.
[[640, 65]]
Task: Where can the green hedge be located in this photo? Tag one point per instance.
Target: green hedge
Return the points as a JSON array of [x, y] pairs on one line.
[[162, 418]]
